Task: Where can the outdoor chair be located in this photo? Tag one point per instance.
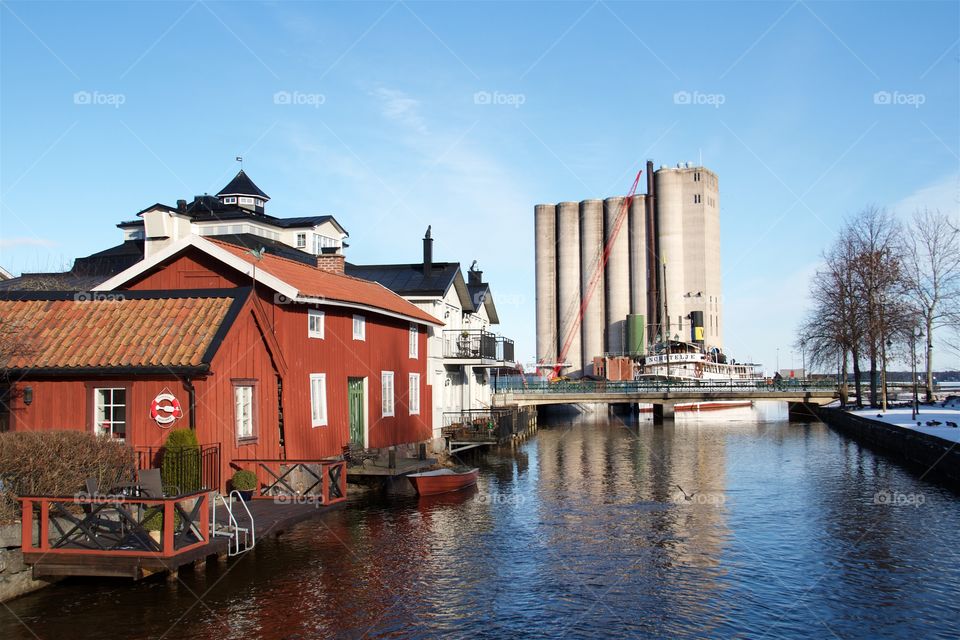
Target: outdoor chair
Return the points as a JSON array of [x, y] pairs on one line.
[[151, 485]]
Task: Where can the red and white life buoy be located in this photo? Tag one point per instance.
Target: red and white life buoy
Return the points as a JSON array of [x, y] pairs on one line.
[[165, 409]]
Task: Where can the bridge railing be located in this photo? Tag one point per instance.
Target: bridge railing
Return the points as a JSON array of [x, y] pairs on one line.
[[648, 386]]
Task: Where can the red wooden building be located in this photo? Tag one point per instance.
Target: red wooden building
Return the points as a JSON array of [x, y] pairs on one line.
[[268, 356]]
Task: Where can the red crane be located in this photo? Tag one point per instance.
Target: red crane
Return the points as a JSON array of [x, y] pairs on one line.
[[594, 278]]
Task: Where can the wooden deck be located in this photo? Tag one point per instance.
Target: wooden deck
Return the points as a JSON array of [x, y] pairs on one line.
[[270, 518]]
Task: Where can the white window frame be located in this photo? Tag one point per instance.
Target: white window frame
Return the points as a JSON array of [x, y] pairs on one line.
[[413, 398], [245, 200], [301, 241], [259, 202], [243, 415], [387, 400], [318, 399], [99, 408], [359, 327], [230, 200], [414, 339], [316, 323]]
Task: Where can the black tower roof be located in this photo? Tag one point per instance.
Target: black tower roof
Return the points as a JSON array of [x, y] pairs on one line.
[[242, 185]]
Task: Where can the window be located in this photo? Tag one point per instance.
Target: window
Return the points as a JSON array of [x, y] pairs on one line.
[[315, 323], [318, 399], [230, 200], [386, 390], [321, 242], [259, 202], [696, 198], [359, 328], [414, 340], [414, 397], [243, 410], [246, 200], [301, 241], [110, 412]]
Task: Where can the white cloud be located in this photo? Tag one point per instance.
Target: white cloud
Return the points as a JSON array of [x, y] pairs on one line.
[[401, 108], [944, 194]]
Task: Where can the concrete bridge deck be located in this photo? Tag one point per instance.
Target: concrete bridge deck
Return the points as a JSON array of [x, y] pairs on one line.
[[662, 395]]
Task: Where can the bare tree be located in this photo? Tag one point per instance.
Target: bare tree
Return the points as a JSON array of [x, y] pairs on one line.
[[877, 269], [932, 276]]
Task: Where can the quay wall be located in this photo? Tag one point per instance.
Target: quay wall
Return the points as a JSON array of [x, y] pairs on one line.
[[934, 458]]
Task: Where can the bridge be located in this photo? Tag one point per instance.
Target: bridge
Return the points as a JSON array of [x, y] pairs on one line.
[[665, 395]]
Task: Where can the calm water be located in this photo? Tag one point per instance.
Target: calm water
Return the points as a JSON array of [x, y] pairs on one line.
[[582, 532]]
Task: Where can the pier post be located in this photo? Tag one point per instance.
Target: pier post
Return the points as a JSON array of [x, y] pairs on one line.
[[663, 411]]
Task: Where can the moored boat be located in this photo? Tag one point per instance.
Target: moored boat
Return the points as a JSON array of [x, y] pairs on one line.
[[429, 483]]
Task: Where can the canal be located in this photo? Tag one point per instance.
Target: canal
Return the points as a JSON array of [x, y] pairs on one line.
[[780, 530]]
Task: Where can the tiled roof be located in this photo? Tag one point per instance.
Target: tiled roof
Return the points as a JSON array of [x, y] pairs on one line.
[[314, 283], [110, 330]]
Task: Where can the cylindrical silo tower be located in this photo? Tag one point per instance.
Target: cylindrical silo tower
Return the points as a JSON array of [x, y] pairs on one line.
[[591, 269], [545, 233], [617, 275], [638, 260], [568, 286], [669, 189], [638, 255]]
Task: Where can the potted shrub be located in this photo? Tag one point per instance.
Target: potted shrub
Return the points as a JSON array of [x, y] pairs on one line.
[[245, 482]]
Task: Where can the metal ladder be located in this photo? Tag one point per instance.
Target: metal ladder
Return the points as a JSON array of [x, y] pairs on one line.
[[232, 528]]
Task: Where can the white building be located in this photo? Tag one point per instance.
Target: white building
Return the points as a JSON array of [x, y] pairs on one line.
[[465, 356]]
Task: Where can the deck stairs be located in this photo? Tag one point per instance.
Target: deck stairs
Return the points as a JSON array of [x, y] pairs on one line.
[[237, 523]]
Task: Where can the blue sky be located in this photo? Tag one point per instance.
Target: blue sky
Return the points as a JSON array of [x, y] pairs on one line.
[[393, 116]]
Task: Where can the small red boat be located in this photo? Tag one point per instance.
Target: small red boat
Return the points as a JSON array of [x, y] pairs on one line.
[[430, 483]]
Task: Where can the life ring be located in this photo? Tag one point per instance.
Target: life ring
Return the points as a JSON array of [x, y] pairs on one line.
[[165, 409]]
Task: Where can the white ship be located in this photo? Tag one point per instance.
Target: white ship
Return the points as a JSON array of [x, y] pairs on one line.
[[685, 361]]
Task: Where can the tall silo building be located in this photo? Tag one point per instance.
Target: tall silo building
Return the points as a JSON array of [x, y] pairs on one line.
[[663, 266]]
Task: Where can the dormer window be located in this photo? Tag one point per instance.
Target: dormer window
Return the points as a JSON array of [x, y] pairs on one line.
[[244, 200], [230, 200], [259, 202], [301, 241]]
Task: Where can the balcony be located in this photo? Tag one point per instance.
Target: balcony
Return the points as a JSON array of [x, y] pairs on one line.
[[475, 346]]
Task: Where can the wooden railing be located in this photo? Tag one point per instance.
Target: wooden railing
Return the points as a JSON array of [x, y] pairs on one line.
[[115, 525], [323, 481]]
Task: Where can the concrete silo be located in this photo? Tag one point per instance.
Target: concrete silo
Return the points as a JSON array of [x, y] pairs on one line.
[[638, 271], [669, 210], [568, 285], [591, 268], [545, 232], [617, 274]]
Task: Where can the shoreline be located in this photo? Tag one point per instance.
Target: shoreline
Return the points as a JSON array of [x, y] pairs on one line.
[[936, 458]]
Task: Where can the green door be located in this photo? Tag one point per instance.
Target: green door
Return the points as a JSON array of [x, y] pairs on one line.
[[355, 398]]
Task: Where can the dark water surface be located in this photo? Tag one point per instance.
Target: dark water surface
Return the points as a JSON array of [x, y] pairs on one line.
[[793, 531]]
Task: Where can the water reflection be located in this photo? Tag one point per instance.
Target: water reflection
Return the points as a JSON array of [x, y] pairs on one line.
[[776, 530]]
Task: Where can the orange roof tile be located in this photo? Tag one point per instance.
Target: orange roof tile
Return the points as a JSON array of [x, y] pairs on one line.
[[124, 329], [315, 283]]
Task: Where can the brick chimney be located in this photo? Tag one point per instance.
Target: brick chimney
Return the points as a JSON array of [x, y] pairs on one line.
[[332, 262]]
